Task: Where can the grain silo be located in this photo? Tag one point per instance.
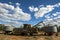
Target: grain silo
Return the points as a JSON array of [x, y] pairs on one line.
[[8, 29], [50, 30]]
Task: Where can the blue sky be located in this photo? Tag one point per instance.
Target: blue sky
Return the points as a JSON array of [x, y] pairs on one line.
[[34, 11]]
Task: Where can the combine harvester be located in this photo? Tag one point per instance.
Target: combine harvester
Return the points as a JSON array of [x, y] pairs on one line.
[[26, 30]]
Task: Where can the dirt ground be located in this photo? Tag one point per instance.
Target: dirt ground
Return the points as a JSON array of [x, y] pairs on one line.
[[18, 37]]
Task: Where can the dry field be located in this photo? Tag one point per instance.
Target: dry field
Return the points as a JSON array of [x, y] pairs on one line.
[[18, 37]]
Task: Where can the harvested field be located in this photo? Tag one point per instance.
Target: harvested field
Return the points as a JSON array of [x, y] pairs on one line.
[[18, 37]]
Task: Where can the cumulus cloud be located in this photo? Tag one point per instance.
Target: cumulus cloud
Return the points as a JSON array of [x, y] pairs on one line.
[[9, 13], [52, 22], [6, 6], [53, 15], [45, 9], [33, 9], [55, 19], [17, 4], [15, 23], [11, 22], [10, 2], [51, 19], [47, 16], [56, 14]]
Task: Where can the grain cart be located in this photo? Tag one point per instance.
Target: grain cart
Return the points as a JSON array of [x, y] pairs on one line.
[[8, 29], [50, 30]]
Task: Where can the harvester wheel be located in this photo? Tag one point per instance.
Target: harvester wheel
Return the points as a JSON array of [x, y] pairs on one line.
[[50, 34], [6, 32], [31, 34], [44, 34], [56, 34], [28, 33], [22, 34]]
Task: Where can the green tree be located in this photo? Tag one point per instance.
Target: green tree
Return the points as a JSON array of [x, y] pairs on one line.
[[1, 27]]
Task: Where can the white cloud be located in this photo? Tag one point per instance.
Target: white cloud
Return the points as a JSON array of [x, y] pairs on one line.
[[11, 22], [33, 9], [17, 4], [10, 2], [47, 16], [14, 23], [56, 14], [58, 4], [53, 20], [45, 9], [41, 6], [9, 13], [6, 6], [2, 10], [53, 16]]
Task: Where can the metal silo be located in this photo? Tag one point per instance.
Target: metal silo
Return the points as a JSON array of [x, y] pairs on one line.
[[50, 30], [8, 29]]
